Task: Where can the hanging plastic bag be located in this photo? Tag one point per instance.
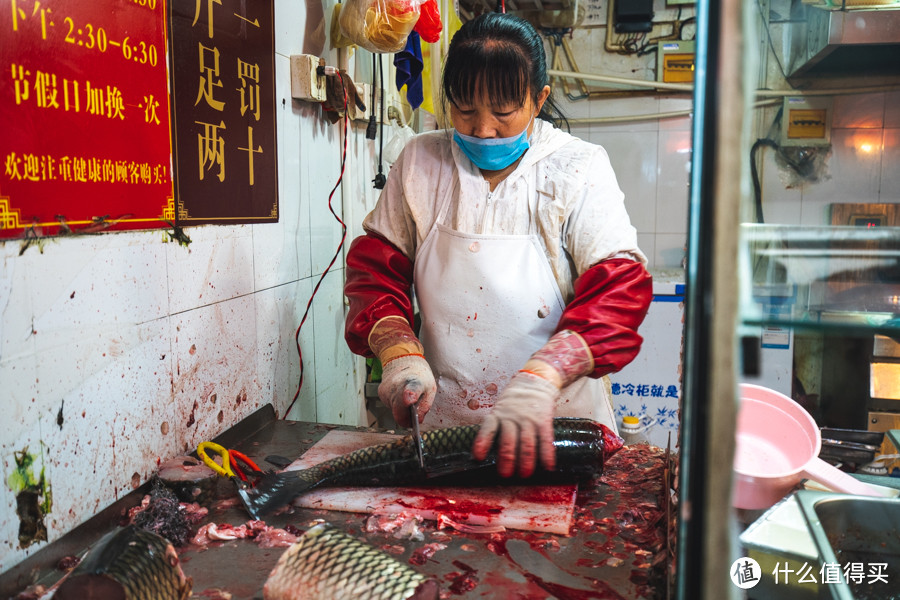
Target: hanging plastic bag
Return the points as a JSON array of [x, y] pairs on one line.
[[392, 149], [429, 24], [338, 39], [380, 26]]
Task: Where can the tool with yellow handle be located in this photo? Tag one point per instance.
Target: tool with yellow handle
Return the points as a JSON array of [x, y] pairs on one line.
[[225, 470]]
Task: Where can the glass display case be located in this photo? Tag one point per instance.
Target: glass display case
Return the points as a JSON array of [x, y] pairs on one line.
[[840, 279]]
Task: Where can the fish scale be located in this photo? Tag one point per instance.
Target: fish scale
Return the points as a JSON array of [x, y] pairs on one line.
[[582, 446], [131, 561], [328, 564]]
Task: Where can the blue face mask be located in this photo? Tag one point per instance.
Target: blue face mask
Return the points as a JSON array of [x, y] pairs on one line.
[[492, 154]]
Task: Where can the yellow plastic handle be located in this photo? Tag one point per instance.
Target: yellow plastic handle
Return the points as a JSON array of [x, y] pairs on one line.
[[225, 468]]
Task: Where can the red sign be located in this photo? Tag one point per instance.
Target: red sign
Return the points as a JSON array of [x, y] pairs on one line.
[[84, 116]]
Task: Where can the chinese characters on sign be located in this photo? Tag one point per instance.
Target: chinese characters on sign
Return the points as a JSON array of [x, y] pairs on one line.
[[223, 68], [746, 573], [84, 111], [829, 573]]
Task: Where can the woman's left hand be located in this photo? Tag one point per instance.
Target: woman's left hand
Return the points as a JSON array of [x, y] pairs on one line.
[[523, 415]]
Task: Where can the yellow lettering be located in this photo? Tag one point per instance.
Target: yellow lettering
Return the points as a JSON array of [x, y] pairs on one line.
[[251, 151], [209, 78], [150, 106], [211, 149], [45, 90], [249, 76], [209, 14], [17, 14], [75, 103], [20, 83]]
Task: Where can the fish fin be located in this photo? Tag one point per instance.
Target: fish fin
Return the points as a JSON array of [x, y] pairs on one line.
[[275, 490]]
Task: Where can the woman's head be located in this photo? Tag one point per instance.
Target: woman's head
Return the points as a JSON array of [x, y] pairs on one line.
[[498, 59]]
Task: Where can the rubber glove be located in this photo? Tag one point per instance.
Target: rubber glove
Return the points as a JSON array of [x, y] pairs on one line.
[[335, 88], [406, 377], [523, 414]]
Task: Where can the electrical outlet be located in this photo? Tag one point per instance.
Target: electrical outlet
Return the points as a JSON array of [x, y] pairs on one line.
[[306, 84], [364, 90]]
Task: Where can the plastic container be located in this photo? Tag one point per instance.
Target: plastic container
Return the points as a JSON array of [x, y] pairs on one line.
[[633, 432]]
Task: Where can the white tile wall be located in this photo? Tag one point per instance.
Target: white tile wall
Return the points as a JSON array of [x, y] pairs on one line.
[[673, 181], [278, 313], [890, 166], [892, 109], [150, 347], [859, 111], [854, 171], [634, 159]]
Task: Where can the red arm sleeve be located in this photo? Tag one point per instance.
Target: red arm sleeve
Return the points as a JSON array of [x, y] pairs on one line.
[[611, 300], [378, 284]]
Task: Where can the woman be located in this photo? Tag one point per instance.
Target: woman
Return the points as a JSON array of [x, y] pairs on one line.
[[525, 266]]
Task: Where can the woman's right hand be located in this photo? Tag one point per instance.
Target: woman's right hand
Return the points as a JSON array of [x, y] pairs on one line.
[[407, 380]]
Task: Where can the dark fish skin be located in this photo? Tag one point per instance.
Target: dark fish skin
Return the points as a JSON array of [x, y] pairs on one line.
[[582, 447], [327, 564], [128, 563]]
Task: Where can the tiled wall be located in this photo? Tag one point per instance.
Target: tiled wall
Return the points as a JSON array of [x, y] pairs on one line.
[[651, 157], [862, 167], [119, 350]]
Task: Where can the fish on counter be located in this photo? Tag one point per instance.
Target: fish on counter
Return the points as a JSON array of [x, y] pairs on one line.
[[327, 564], [128, 563], [582, 448]]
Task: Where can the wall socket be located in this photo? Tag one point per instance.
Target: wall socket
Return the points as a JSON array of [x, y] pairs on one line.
[[306, 84], [364, 90]]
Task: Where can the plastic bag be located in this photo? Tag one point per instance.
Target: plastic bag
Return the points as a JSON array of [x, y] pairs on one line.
[[394, 147], [429, 24], [338, 39], [380, 26]]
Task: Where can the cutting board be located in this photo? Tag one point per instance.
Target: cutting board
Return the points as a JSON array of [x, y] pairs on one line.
[[531, 508]]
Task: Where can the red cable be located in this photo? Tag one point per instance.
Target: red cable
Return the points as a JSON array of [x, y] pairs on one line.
[[336, 254]]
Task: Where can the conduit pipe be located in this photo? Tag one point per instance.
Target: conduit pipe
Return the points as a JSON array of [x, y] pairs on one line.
[[652, 116], [688, 88]]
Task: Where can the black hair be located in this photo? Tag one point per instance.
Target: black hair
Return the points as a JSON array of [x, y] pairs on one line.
[[503, 56]]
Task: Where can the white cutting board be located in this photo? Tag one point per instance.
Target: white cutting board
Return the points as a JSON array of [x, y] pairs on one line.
[[531, 508]]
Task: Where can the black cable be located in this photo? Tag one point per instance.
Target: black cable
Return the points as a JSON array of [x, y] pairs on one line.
[[754, 173], [370, 128], [380, 179]]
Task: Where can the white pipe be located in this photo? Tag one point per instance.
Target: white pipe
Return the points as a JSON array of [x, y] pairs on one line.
[[678, 87], [687, 88], [649, 117]]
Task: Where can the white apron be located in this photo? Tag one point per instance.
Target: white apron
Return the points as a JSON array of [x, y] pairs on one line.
[[487, 303]]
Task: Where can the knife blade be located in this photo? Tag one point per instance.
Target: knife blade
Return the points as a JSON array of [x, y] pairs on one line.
[[417, 435]]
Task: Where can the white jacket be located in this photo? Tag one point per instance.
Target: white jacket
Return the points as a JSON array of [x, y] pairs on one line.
[[563, 190]]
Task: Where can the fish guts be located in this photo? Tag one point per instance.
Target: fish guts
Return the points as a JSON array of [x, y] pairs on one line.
[[327, 564], [129, 563]]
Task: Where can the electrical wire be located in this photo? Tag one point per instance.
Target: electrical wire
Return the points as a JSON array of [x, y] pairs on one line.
[[380, 179], [765, 21], [754, 173], [336, 254]]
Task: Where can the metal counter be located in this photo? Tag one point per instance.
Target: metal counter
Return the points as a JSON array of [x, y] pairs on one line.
[[617, 548]]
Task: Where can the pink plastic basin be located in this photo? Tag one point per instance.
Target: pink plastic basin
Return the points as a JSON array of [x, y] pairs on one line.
[[777, 446]]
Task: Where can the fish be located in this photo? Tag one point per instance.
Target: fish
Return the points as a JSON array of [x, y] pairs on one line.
[[128, 563], [328, 564], [582, 447]]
